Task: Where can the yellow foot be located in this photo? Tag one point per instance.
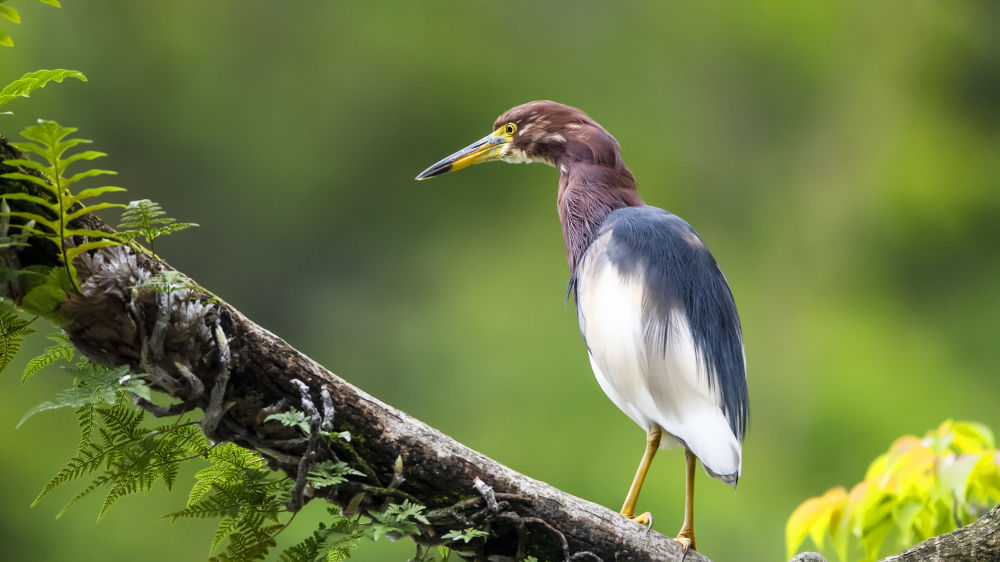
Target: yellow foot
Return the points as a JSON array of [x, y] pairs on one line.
[[686, 542], [643, 519]]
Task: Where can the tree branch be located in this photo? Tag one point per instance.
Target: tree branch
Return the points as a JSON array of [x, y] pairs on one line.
[[200, 350], [978, 541]]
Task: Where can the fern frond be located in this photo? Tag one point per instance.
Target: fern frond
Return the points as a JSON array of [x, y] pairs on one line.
[[86, 460], [146, 219], [60, 349], [168, 281], [85, 416], [31, 81], [129, 456], [291, 418], [13, 328], [101, 480], [227, 526], [51, 141], [93, 384], [250, 543], [330, 473]]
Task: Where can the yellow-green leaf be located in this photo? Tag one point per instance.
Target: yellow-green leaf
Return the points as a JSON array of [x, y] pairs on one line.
[[90, 209], [971, 437], [10, 13], [813, 518]]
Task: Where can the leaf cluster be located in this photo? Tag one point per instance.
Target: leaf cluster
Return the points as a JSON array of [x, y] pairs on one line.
[[335, 540], [93, 385], [123, 455], [920, 488], [238, 488], [126, 456]]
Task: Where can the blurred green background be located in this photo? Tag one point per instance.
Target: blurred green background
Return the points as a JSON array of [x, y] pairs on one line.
[[842, 162]]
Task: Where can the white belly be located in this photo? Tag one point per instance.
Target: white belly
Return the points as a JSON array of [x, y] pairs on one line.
[[653, 385]]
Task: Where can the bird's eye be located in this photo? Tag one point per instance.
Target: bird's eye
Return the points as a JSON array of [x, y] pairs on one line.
[[509, 128]]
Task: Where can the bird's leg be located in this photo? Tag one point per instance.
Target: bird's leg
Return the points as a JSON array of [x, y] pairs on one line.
[[653, 436], [686, 534]]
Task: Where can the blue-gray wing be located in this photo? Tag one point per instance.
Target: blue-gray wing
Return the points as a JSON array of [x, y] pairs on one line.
[[663, 332]]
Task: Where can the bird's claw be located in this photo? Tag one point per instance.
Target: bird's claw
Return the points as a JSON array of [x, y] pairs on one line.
[[645, 519], [686, 542]]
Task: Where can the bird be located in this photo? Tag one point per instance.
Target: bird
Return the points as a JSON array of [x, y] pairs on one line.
[[656, 313]]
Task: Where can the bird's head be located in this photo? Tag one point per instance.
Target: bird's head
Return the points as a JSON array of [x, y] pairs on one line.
[[537, 131]]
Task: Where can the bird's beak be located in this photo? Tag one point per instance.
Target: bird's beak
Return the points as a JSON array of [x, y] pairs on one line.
[[488, 148]]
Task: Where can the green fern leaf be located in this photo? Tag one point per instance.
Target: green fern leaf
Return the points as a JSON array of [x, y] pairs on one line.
[[85, 416], [146, 219], [93, 385], [291, 418], [60, 349], [23, 196], [330, 473], [227, 526], [13, 328], [51, 142], [28, 83]]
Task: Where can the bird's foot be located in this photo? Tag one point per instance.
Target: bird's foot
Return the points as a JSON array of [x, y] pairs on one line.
[[642, 519], [686, 540]]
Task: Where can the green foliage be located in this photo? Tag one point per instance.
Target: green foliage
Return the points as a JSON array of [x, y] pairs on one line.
[[335, 540], [397, 520], [59, 207], [465, 535], [239, 488], [124, 456], [13, 329], [146, 219], [920, 488], [45, 289], [12, 15], [60, 349], [168, 281], [129, 457], [330, 473], [291, 418], [92, 385], [31, 81]]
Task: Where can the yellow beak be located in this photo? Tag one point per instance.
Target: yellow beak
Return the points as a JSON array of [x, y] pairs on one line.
[[485, 149]]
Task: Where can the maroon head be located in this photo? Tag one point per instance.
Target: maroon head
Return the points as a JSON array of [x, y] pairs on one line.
[[538, 131], [593, 180]]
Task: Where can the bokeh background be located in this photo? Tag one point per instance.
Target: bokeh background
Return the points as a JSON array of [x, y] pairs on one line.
[[842, 162]]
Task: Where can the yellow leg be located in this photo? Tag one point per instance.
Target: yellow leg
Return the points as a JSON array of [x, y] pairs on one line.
[[653, 436], [686, 534]]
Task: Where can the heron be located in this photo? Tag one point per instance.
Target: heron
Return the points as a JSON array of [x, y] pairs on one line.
[[656, 313]]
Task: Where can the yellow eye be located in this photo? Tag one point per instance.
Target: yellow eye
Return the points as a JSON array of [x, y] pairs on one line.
[[509, 128]]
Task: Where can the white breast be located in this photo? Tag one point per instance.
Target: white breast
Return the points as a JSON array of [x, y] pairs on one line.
[[651, 385]]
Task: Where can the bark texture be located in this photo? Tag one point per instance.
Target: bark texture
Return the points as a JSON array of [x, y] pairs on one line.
[[978, 541]]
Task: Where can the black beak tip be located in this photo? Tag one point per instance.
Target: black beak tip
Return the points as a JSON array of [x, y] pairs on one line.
[[433, 171]]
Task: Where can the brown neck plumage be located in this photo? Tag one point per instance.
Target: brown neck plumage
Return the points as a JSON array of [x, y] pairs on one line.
[[588, 192]]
